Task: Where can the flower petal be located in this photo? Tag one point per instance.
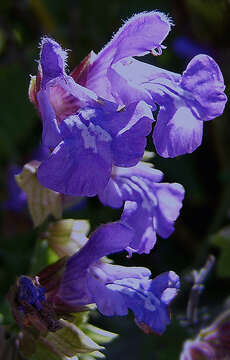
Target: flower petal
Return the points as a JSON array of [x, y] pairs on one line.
[[138, 36], [107, 239], [129, 145], [108, 303], [204, 80], [177, 131], [112, 303], [141, 221], [111, 195], [147, 307], [125, 91], [164, 281], [64, 94], [129, 79], [118, 188], [72, 171], [117, 272], [170, 197], [50, 132], [52, 59]]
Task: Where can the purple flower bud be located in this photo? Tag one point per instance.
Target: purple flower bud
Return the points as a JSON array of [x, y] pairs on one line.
[[30, 308]]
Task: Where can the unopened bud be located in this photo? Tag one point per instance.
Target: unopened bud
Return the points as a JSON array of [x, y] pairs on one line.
[[42, 202], [29, 306], [34, 87], [68, 236]]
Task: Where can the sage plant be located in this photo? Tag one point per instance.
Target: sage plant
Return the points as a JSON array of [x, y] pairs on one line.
[[96, 120]]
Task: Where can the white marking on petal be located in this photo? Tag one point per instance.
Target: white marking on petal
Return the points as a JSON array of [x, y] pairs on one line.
[[89, 140], [92, 134]]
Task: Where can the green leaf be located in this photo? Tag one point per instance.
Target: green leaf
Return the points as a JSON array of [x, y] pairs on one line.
[[42, 202]]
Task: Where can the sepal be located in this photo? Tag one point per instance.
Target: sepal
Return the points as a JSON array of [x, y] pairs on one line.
[[34, 87], [67, 236], [74, 341], [42, 202]]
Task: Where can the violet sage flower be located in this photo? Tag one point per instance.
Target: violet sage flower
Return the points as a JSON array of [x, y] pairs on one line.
[[84, 125], [115, 289], [185, 101], [86, 134], [100, 115], [150, 206]]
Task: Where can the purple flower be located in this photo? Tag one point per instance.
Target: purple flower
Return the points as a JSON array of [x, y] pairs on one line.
[[100, 115], [150, 206], [87, 134], [115, 289], [185, 101], [85, 126], [30, 293], [142, 34], [30, 308]]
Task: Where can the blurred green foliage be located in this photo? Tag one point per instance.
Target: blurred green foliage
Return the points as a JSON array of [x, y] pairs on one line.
[[81, 26]]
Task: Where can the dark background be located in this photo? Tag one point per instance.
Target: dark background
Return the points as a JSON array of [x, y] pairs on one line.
[[201, 26]]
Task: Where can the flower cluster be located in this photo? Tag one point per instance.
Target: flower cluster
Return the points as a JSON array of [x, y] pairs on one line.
[[99, 116], [95, 123]]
